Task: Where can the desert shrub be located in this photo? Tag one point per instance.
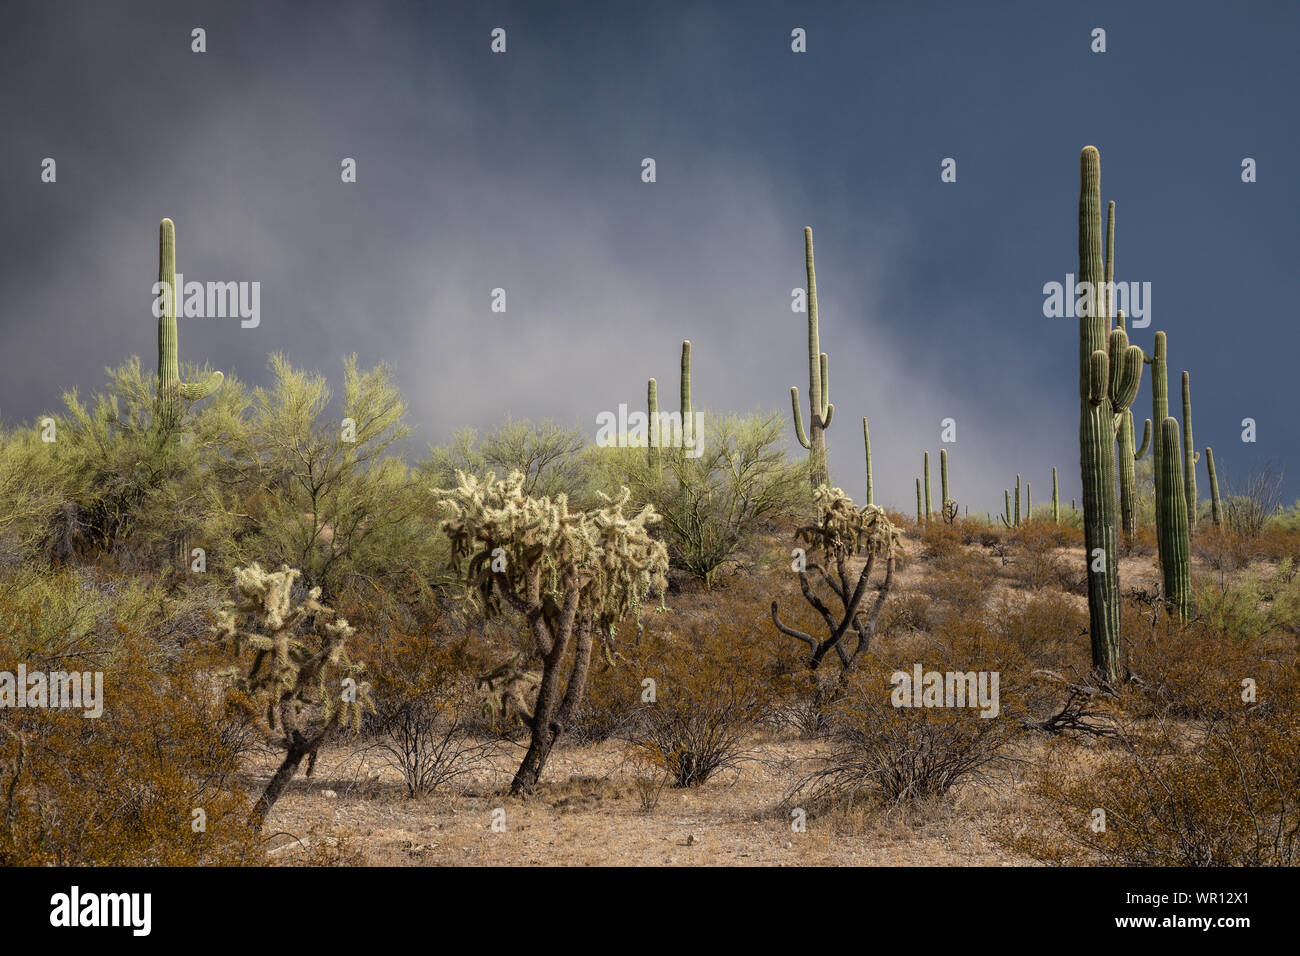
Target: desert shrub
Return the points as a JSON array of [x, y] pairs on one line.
[[1250, 605], [940, 539], [1038, 563], [423, 698], [901, 754], [1251, 503], [1221, 793], [709, 696], [127, 788]]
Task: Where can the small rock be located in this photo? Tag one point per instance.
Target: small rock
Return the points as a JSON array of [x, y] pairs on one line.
[[788, 845], [329, 794]]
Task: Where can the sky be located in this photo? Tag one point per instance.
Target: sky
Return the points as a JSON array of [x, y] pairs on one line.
[[522, 171]]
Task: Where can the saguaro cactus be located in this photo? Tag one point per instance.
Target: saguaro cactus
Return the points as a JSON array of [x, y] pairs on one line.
[[1128, 457], [688, 410], [1110, 371], [1190, 455], [928, 507], [1006, 516], [1216, 508], [1029, 500], [1174, 536], [1159, 412], [919, 514], [171, 390], [1017, 500], [1056, 498], [945, 497], [866, 441], [652, 427], [820, 408]]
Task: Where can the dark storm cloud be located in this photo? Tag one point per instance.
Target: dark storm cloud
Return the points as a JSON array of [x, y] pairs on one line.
[[522, 172]]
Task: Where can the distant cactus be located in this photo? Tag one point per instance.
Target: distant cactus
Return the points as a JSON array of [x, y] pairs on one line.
[[820, 407], [303, 678], [928, 508], [1190, 455], [1173, 533], [920, 515], [171, 390], [688, 410], [1159, 412], [1017, 500], [1216, 507], [652, 426], [866, 441], [1007, 518], [1056, 498], [944, 497]]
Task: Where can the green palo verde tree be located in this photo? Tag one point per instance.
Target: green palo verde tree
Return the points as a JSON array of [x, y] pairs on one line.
[[820, 408], [1110, 371], [572, 575]]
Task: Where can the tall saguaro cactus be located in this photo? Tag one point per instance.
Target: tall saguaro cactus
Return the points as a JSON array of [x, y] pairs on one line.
[[688, 410], [652, 438], [820, 409], [1190, 455], [1110, 371], [1056, 499], [944, 496], [928, 506], [1216, 507], [171, 390], [1174, 536], [1159, 412], [866, 441]]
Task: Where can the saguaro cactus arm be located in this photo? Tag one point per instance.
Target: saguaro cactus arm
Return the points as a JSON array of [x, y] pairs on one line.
[[1146, 441]]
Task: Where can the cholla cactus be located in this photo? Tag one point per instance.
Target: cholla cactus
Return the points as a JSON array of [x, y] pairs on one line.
[[842, 529], [300, 667], [573, 575]]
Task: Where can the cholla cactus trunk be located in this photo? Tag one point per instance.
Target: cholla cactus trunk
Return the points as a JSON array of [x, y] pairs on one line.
[[1190, 457], [866, 441], [652, 436], [171, 390], [1097, 433], [919, 513], [944, 496], [928, 508], [1216, 508], [820, 408], [1056, 498], [1174, 537]]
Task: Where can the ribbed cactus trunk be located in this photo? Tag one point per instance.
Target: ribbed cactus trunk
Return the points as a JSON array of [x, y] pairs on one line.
[[1029, 500], [1017, 500], [688, 410], [928, 508], [1216, 508], [1159, 412], [944, 496], [1174, 537], [1007, 518], [652, 438], [919, 513], [866, 442], [1190, 457], [1056, 498], [820, 408], [1097, 433], [171, 390], [1128, 459]]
